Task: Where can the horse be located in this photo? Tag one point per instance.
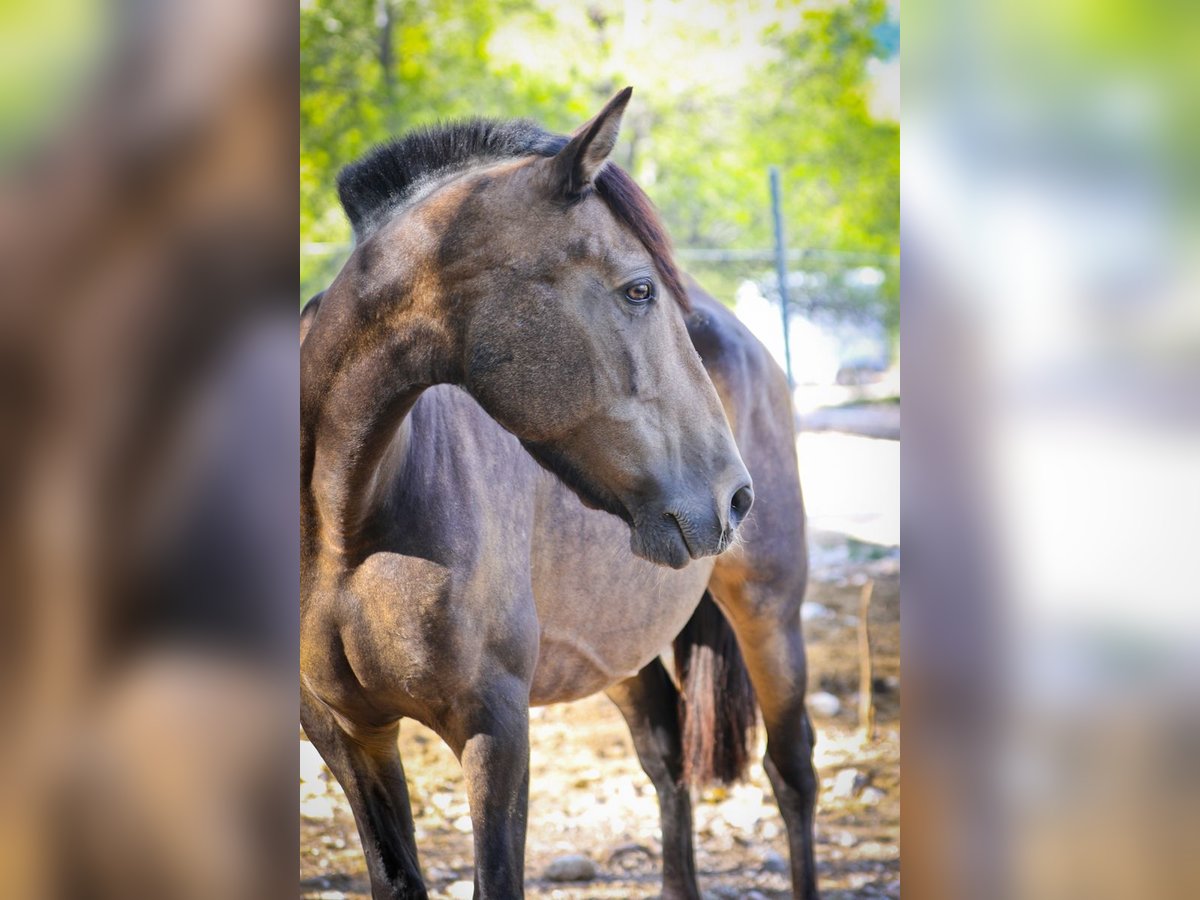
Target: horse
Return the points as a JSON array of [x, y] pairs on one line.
[[527, 451]]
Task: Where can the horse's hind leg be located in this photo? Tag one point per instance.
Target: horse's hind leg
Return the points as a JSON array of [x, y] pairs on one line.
[[767, 622], [649, 702], [368, 767]]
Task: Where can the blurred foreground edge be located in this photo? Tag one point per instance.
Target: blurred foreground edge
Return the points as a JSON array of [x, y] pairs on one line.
[[148, 463], [1051, 470]]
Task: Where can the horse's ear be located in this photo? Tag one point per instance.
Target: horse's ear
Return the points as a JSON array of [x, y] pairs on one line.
[[577, 164]]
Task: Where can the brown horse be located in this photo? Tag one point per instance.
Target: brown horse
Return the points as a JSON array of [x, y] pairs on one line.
[[511, 337]]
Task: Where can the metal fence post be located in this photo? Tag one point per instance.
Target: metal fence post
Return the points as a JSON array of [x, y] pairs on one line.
[[781, 271]]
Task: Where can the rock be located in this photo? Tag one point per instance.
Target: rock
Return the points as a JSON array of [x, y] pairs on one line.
[[574, 867], [774, 862], [715, 826], [875, 850], [889, 684], [872, 796], [847, 784], [461, 890], [824, 705], [317, 808], [744, 809], [312, 767], [462, 824], [624, 853], [754, 895], [812, 610]]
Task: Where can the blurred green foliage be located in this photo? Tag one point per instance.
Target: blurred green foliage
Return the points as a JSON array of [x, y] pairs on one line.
[[49, 50], [723, 90]]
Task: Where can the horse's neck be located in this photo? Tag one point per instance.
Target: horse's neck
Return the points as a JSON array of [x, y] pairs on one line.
[[365, 363]]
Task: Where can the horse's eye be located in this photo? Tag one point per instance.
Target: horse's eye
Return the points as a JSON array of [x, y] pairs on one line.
[[640, 292]]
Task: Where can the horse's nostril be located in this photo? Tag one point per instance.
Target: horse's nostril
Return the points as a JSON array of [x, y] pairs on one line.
[[739, 506]]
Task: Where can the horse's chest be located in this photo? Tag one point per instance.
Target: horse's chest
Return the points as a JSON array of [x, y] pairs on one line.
[[605, 616]]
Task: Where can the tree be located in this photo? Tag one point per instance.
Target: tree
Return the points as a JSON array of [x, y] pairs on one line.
[[722, 94]]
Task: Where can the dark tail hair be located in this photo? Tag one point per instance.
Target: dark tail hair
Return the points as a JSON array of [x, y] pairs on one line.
[[717, 709]]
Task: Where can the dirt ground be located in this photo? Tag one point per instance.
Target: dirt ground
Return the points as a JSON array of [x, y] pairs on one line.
[[589, 796]]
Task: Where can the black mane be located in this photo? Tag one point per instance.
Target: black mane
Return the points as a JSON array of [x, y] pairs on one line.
[[374, 186]]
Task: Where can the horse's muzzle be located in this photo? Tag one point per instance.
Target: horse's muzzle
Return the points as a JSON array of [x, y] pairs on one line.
[[675, 534]]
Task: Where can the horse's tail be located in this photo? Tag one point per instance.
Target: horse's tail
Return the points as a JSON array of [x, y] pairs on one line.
[[717, 708]]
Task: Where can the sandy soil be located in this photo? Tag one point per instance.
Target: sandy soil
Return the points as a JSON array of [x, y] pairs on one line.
[[589, 796]]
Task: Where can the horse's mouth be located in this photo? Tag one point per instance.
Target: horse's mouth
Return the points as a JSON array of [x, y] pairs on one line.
[[662, 541], [682, 526]]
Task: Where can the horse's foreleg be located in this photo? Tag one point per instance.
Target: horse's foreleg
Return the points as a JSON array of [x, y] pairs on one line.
[[770, 638], [649, 702], [367, 766], [491, 737]]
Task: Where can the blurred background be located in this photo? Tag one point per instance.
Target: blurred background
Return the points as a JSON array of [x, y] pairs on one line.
[[1051, 335], [148, 452], [1052, 449], [768, 136]]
